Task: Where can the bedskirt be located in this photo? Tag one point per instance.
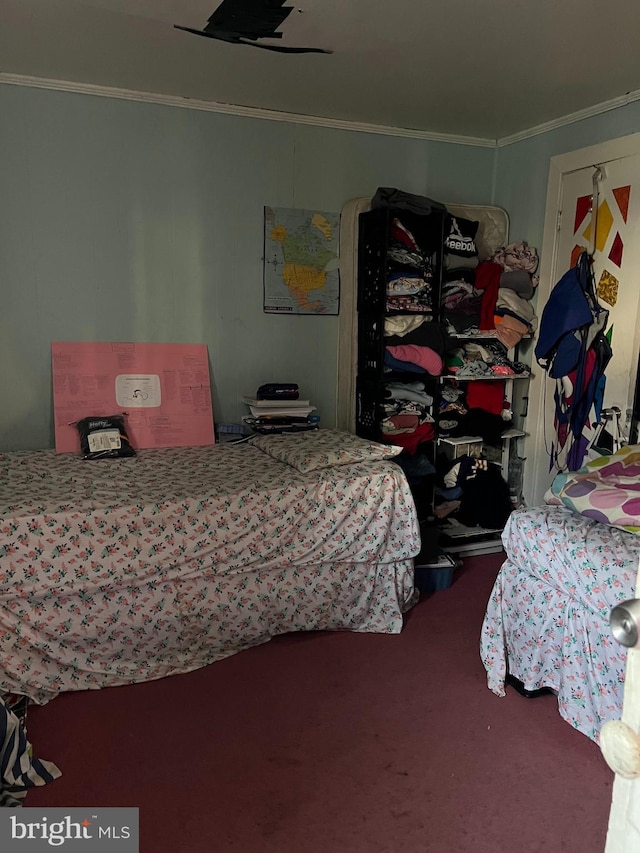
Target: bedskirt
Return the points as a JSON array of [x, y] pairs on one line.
[[117, 573], [547, 619], [131, 632]]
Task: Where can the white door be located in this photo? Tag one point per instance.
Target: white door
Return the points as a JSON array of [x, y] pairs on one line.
[[616, 246], [620, 744], [616, 259]]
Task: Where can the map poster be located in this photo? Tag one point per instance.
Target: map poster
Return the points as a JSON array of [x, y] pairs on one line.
[[163, 388], [301, 261]]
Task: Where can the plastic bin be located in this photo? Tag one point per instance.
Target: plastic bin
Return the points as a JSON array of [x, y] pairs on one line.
[[432, 578]]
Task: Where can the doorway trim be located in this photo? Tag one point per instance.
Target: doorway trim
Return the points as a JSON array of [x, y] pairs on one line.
[[538, 478]]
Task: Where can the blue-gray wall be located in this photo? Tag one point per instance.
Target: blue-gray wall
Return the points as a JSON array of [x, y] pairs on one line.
[[522, 169], [128, 221], [125, 221]]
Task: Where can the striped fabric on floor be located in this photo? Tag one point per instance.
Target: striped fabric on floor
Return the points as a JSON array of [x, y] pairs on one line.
[[19, 771]]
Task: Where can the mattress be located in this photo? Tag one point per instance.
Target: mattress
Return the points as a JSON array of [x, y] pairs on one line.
[[547, 620], [115, 571]]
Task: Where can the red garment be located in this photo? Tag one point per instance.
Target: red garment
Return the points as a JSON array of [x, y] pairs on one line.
[[411, 440], [487, 395], [488, 280], [568, 393]]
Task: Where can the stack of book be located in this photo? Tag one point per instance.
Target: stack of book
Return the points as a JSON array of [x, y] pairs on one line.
[[280, 415]]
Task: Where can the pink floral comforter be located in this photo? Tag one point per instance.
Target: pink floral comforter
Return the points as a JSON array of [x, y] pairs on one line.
[[117, 571], [547, 620]]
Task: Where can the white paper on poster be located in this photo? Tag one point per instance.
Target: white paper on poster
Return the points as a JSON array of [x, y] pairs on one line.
[[138, 392]]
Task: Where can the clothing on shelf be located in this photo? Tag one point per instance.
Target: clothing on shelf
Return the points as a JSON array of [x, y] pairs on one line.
[[475, 360], [518, 256], [411, 441], [498, 288], [431, 335], [400, 325], [424, 357], [478, 489], [408, 391]]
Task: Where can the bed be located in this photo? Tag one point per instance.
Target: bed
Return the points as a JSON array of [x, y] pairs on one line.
[[125, 570], [568, 563]]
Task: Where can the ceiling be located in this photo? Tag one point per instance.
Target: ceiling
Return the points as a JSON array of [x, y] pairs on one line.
[[459, 67]]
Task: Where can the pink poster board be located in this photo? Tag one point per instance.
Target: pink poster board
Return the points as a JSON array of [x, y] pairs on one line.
[[164, 388]]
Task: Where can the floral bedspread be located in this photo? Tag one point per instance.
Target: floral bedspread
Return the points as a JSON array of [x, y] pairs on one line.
[[121, 570], [548, 615]]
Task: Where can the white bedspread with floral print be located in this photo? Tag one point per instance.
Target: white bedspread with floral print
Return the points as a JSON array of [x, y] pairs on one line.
[[124, 570], [547, 620]]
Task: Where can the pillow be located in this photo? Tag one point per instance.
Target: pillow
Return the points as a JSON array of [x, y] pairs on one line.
[[317, 449], [607, 489]]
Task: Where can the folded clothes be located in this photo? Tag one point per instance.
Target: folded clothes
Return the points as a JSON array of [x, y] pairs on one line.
[[450, 394], [407, 407], [474, 350], [404, 257], [398, 424], [401, 325], [462, 297], [510, 299], [413, 391], [411, 441], [430, 335], [406, 284], [461, 322], [509, 329], [399, 233], [518, 256], [424, 357], [518, 281], [473, 370], [410, 302], [502, 311], [509, 337], [401, 366], [455, 262]]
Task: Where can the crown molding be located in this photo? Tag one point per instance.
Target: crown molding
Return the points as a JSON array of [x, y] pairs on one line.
[[571, 118], [315, 121], [236, 110]]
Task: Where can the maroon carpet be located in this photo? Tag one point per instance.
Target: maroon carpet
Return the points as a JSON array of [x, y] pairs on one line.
[[341, 743]]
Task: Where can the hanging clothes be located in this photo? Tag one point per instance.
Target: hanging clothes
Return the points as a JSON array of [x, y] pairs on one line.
[[574, 350]]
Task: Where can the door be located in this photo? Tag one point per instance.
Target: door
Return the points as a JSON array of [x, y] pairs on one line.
[[620, 744], [615, 242], [616, 260]]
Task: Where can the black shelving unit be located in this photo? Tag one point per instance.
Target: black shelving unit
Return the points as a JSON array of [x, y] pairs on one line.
[[374, 269]]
